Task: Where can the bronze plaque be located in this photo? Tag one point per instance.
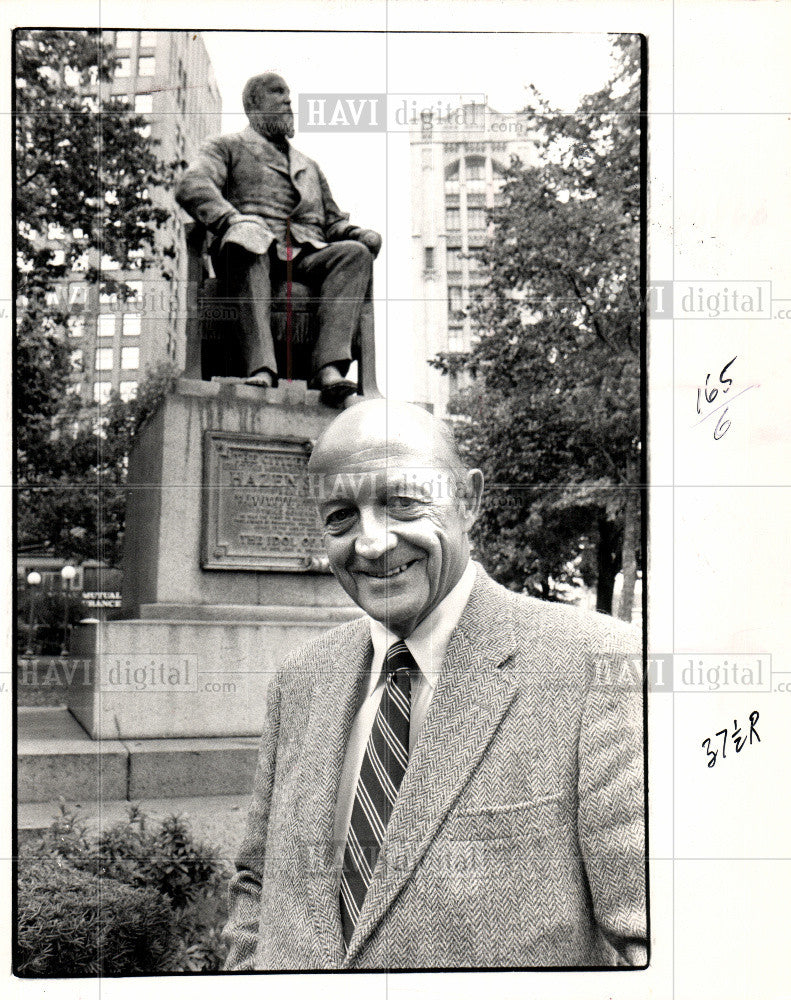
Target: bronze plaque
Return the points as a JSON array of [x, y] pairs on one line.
[[257, 509]]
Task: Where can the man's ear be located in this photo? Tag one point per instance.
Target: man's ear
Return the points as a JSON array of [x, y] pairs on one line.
[[470, 498]]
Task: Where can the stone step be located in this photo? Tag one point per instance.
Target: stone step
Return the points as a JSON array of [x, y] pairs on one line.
[[56, 757]]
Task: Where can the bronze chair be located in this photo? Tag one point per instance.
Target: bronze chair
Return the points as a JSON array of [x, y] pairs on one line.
[[212, 341]]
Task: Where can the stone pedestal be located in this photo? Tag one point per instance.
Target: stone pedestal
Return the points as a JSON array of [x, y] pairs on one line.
[[223, 567]]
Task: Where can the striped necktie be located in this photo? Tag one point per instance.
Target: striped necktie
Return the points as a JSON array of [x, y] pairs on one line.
[[382, 771]]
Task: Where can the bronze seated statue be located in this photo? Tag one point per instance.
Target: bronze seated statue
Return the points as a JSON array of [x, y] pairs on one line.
[[213, 342]]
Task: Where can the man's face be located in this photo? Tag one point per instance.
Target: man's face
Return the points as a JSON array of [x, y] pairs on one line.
[[396, 534], [271, 113]]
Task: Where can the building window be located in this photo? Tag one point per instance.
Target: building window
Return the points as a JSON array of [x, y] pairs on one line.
[[104, 359], [144, 104], [108, 264], [130, 357], [76, 326], [475, 170], [101, 392], [131, 324], [456, 339], [477, 266], [127, 390], [146, 66], [76, 360], [124, 68], [105, 326], [135, 290], [124, 39], [454, 260], [148, 39], [452, 218], [476, 218], [144, 131], [455, 302], [429, 259]]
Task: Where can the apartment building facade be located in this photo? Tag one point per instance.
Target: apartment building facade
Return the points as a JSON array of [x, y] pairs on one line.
[[168, 78], [458, 163]]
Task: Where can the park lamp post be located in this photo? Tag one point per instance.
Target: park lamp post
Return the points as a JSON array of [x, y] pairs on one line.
[[67, 575], [33, 581]]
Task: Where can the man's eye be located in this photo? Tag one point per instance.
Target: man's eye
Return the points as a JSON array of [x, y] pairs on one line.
[[403, 502], [337, 517]]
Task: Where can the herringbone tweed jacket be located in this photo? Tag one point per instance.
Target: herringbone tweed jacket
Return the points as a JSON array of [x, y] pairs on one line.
[[517, 837]]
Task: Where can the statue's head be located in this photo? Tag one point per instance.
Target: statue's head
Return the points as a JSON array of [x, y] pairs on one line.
[[267, 104]]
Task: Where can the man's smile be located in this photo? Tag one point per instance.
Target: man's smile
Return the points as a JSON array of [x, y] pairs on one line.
[[384, 572]]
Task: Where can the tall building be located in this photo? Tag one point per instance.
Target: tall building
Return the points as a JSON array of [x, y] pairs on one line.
[[457, 162], [169, 79]]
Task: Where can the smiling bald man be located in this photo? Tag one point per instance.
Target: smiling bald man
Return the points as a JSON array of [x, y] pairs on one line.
[[454, 780]]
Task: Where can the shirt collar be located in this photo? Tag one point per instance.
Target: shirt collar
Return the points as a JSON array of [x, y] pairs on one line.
[[429, 642]]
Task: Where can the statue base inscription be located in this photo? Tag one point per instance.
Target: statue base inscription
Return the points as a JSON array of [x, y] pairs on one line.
[[257, 510]]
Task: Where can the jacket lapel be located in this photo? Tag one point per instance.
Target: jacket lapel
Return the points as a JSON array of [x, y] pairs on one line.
[[265, 150], [335, 701], [471, 698], [297, 164]]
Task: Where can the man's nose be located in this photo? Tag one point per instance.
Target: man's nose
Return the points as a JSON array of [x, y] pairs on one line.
[[375, 537]]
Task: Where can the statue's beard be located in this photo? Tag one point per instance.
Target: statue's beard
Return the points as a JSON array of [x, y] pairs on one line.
[[273, 126]]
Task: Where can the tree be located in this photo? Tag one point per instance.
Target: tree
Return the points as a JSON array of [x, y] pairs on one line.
[[80, 511], [86, 176], [552, 412]]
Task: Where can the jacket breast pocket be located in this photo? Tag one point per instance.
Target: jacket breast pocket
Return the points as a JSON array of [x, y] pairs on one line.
[[541, 821], [518, 845]]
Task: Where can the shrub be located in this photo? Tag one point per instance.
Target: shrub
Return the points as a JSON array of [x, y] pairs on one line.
[[163, 865], [167, 859], [70, 923], [64, 838]]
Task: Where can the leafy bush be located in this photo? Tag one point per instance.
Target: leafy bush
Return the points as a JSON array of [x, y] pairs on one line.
[[167, 859], [71, 924], [160, 866], [65, 837]]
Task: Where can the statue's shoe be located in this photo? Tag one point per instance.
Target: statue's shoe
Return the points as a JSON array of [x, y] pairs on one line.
[[334, 388], [263, 380], [334, 393]]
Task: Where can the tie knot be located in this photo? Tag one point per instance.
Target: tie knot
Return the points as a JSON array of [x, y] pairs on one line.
[[398, 658]]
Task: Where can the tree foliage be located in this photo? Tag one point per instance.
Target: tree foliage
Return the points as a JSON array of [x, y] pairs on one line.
[[86, 179], [552, 411], [78, 509]]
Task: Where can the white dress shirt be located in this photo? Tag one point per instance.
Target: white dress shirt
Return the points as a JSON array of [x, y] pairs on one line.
[[428, 645]]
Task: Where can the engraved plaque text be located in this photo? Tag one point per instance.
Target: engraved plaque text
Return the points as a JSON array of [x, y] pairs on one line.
[[257, 509]]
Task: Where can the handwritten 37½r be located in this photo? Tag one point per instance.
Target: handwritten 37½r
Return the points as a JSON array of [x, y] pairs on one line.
[[737, 737]]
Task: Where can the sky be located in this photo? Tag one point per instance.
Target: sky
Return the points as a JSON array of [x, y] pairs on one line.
[[563, 67], [369, 173]]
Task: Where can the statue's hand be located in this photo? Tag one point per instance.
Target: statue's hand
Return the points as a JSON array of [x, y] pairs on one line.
[[371, 239], [248, 231]]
